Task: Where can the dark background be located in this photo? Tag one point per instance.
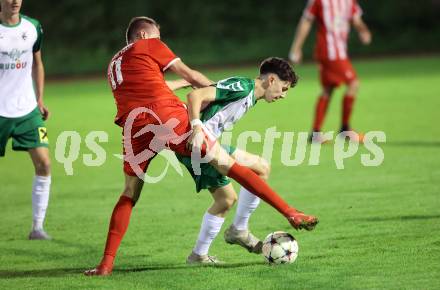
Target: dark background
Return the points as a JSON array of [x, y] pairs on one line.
[[82, 35]]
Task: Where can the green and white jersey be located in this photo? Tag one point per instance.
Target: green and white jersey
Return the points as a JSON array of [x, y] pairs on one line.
[[234, 97], [17, 45]]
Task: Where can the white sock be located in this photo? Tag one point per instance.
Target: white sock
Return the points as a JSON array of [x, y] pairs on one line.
[[247, 203], [40, 200], [210, 228]]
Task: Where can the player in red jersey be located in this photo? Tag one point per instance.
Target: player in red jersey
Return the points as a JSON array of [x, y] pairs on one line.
[[153, 118], [333, 18]]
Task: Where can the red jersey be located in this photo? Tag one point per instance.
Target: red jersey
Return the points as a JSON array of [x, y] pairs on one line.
[[333, 20], [136, 77]]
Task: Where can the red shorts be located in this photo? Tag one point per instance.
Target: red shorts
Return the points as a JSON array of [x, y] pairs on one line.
[[335, 72], [150, 129]]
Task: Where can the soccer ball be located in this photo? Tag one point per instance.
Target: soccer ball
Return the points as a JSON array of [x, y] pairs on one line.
[[280, 248]]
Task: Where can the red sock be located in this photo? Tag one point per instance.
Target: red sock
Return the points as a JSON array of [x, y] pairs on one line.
[[118, 226], [347, 107], [252, 182], [320, 110]]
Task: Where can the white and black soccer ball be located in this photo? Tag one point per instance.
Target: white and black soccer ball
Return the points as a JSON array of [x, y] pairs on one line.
[[280, 248]]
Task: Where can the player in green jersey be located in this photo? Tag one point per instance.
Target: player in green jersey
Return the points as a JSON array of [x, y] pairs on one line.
[[22, 110], [219, 107]]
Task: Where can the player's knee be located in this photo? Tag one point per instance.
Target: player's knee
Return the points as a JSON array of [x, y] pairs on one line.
[[327, 92], [354, 86], [42, 167], [230, 201], [132, 193], [227, 203], [265, 169]]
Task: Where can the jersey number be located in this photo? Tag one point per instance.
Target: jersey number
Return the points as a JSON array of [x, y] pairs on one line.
[[115, 69]]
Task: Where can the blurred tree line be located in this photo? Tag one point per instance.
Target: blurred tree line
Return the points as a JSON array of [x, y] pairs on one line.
[[81, 35]]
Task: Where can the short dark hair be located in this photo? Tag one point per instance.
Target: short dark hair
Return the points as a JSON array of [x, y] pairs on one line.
[[281, 68], [136, 24]]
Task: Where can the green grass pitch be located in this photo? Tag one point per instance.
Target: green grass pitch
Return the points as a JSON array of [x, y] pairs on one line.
[[379, 226]]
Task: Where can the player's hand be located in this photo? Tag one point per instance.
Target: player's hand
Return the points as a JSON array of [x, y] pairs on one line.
[[43, 110], [365, 37], [295, 57], [197, 139]]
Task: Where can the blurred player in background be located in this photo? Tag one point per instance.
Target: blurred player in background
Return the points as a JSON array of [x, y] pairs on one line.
[[333, 18], [136, 76], [22, 109], [221, 106]]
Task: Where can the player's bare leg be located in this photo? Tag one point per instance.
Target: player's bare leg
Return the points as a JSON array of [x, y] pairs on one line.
[[257, 163], [353, 87], [320, 112], [226, 165], [224, 198], [118, 225], [239, 233], [40, 191], [347, 107]]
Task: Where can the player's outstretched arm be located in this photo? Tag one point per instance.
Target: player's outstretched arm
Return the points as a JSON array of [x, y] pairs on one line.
[[38, 78], [302, 31], [177, 84], [362, 29], [194, 77]]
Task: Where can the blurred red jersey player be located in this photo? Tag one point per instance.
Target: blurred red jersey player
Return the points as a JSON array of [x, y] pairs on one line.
[[333, 18]]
